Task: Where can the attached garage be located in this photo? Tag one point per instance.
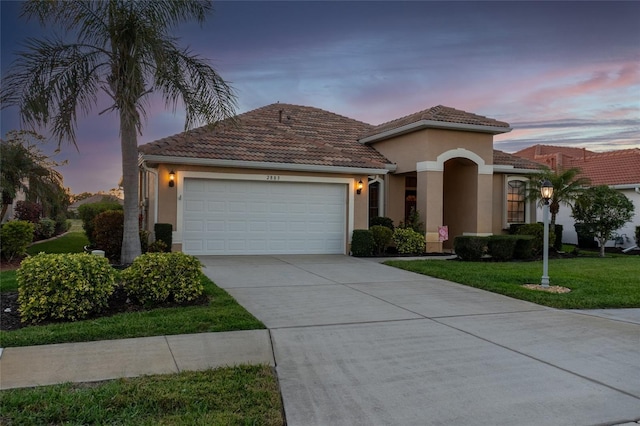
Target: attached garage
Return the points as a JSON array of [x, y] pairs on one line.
[[269, 216]]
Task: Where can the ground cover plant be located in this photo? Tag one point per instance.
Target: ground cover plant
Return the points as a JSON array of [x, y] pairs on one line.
[[595, 283], [240, 395]]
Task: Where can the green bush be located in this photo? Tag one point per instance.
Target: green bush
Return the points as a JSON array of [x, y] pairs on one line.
[[501, 247], [524, 247], [44, 229], [29, 211], [144, 240], [163, 232], [88, 212], [157, 246], [469, 247], [362, 243], [382, 237], [381, 221], [62, 224], [155, 278], [15, 237], [408, 241], [67, 286], [557, 242], [108, 228], [586, 236], [537, 231], [413, 222]]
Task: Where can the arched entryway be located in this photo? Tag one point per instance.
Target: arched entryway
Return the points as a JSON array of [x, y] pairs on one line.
[[460, 198]]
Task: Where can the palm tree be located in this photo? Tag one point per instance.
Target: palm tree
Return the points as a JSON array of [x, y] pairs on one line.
[[567, 186], [124, 49], [25, 168]]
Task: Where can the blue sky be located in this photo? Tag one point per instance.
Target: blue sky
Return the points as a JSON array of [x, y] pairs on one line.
[[562, 73]]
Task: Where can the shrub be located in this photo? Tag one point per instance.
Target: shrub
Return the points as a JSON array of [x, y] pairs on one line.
[[524, 247], [26, 210], [155, 278], [501, 247], [62, 224], [163, 232], [537, 231], [144, 240], [557, 242], [381, 237], [108, 228], [413, 222], [408, 241], [44, 229], [469, 247], [63, 286], [15, 237], [586, 236], [381, 221], [88, 212], [157, 246], [362, 242]]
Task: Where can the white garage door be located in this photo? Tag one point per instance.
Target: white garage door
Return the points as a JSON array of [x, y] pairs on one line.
[[263, 217]]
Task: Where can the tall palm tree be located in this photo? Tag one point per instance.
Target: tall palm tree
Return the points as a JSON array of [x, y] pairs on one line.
[[567, 186], [25, 168], [123, 48]]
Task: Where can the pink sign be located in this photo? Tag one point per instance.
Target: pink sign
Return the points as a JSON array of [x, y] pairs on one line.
[[443, 233]]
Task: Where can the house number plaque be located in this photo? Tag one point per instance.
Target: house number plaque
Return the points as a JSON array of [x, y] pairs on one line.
[[273, 177]]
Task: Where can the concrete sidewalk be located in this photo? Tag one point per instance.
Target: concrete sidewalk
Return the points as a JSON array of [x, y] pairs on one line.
[[111, 359]]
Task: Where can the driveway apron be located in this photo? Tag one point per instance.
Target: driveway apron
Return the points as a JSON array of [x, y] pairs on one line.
[[360, 343]]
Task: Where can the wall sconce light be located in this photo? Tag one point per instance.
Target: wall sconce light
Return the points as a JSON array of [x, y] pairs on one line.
[[359, 186], [172, 179]]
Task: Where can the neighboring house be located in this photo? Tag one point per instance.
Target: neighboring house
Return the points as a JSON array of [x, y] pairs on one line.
[[96, 198], [617, 169], [294, 179], [11, 209]]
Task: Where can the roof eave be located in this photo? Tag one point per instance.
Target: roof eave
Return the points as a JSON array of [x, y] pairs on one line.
[[265, 165], [432, 124]]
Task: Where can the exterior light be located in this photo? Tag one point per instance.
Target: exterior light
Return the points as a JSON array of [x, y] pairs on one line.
[[546, 191], [172, 179], [359, 187]]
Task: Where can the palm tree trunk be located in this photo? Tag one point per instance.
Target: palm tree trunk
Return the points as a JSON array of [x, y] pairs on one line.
[[129, 145]]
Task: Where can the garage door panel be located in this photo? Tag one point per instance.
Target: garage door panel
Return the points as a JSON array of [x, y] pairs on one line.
[[256, 217]]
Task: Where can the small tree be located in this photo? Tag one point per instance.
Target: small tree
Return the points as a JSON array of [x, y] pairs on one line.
[[602, 210]]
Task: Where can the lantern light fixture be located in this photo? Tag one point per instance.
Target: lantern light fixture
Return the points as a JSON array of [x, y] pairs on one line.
[[359, 187], [172, 179]]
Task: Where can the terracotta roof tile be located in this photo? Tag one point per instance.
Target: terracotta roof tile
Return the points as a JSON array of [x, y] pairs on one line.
[[505, 159], [438, 113], [277, 133], [602, 168]]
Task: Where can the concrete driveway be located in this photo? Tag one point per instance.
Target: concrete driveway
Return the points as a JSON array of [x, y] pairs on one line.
[[360, 343]]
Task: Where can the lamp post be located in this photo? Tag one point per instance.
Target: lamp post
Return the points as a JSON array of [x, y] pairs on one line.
[[546, 191]]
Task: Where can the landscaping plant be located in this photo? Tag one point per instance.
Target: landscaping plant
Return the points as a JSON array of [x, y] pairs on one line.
[[382, 237], [362, 243], [108, 227], [15, 237], [408, 241]]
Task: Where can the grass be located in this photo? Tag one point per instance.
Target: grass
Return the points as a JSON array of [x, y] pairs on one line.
[[222, 313], [241, 395], [595, 283], [8, 281], [71, 242]]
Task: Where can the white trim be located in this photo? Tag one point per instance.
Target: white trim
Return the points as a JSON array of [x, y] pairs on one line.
[[634, 186], [181, 175], [438, 165], [478, 234], [378, 180], [432, 124], [266, 165], [503, 168]]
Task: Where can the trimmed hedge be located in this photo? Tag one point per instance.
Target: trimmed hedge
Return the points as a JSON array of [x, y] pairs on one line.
[[524, 247], [154, 278], [409, 241], [501, 247], [381, 221], [108, 230], [15, 237], [469, 247], [163, 232], [362, 243], [88, 212], [68, 286], [537, 231], [382, 237]]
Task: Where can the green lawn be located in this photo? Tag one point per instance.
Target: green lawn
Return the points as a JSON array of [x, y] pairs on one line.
[[595, 283], [72, 242], [245, 395], [222, 313], [8, 281]]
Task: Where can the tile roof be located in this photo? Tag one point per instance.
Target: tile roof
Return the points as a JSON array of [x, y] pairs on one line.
[[277, 133], [293, 134], [438, 113], [505, 159], [620, 167]]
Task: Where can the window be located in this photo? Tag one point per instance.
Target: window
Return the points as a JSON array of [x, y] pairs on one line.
[[516, 202], [374, 199]]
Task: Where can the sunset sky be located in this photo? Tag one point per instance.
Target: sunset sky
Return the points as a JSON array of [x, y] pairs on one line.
[[561, 73]]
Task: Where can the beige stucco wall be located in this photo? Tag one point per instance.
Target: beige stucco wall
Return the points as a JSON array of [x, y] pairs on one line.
[[168, 197]]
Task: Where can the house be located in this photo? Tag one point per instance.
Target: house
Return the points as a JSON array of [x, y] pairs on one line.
[[95, 198], [296, 179], [618, 169]]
